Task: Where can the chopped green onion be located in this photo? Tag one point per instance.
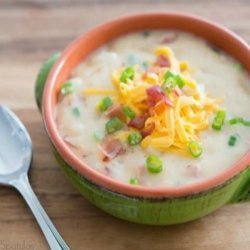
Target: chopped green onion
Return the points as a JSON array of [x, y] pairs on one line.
[[219, 120], [154, 164], [179, 81], [232, 140], [246, 123], [128, 112], [113, 125], [127, 74], [239, 120], [167, 87], [171, 81], [105, 103], [67, 88], [97, 136], [133, 181], [195, 149], [236, 120], [134, 138], [168, 76], [76, 111]]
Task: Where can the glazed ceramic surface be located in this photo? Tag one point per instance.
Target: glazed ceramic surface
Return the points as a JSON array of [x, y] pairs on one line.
[[219, 78], [137, 204]]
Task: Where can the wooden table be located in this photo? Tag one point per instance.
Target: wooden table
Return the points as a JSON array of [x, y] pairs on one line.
[[30, 30]]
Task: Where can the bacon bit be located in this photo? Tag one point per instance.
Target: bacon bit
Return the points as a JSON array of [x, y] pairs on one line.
[[177, 91], [148, 130], [163, 61], [169, 38], [111, 147], [156, 94], [116, 111], [138, 122]]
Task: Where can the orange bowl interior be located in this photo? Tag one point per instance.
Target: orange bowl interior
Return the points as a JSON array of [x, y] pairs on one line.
[[80, 48]]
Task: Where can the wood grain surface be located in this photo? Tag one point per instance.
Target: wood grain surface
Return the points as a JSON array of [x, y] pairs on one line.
[[30, 30]]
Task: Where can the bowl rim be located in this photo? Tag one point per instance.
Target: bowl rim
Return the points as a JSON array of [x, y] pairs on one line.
[[107, 182]]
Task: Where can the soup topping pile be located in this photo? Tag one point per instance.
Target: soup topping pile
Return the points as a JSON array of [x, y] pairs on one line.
[[159, 106], [155, 114]]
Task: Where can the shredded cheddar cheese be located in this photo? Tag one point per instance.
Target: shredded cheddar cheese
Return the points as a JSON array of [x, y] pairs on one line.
[[175, 125], [94, 91]]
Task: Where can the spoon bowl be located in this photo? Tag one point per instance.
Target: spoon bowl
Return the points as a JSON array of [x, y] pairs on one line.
[[15, 148], [15, 160]]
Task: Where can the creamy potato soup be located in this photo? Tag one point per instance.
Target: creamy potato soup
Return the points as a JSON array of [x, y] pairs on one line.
[[157, 108]]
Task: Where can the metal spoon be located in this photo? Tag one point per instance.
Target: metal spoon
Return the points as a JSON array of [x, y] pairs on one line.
[[15, 159]]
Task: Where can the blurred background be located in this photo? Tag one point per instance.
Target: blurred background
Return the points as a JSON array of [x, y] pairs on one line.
[[30, 31]]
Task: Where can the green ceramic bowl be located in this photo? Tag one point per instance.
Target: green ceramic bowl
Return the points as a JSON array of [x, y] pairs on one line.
[[154, 206]]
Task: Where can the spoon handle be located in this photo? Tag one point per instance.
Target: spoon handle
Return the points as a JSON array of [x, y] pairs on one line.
[[52, 236], [58, 237]]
